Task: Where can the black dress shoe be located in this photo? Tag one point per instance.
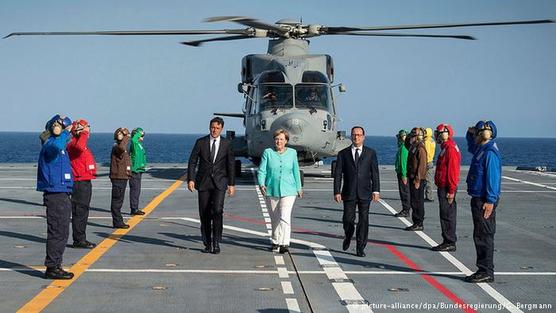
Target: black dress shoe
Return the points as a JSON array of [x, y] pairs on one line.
[[429, 200], [274, 247], [57, 273], [345, 244], [283, 249], [215, 248], [123, 226], [414, 227], [449, 247], [138, 212], [207, 249], [479, 277], [361, 253], [83, 245], [402, 214]]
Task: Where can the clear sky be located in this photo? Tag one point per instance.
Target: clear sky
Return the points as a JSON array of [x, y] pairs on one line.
[[507, 75]]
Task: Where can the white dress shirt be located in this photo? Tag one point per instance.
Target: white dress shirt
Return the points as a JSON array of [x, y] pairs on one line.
[[217, 146], [353, 149]]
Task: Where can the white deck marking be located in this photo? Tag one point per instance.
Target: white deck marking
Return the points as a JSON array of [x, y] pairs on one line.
[[293, 306], [264, 272], [287, 288], [283, 272], [529, 183], [346, 291], [545, 174], [486, 287], [279, 260], [328, 190]]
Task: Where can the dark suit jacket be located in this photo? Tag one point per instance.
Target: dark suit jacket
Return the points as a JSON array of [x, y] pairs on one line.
[[201, 169], [359, 182]]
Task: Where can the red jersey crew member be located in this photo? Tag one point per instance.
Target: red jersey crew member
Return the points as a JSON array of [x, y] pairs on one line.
[[446, 179], [84, 170]]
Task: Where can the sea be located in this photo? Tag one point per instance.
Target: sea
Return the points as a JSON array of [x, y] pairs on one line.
[[24, 147]]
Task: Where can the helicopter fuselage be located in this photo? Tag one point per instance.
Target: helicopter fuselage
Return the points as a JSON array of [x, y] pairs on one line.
[[292, 90]]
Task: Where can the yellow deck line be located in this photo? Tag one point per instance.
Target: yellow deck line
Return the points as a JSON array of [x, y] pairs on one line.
[[52, 291]]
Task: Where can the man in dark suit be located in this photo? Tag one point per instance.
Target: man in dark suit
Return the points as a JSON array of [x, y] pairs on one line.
[[211, 172], [357, 167]]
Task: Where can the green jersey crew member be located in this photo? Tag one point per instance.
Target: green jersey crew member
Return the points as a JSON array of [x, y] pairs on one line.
[[138, 163]]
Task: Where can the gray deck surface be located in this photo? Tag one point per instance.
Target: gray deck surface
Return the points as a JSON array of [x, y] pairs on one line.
[[159, 267]]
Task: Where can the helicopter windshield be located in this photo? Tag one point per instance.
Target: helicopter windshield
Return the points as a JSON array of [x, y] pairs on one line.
[[312, 96], [275, 96]]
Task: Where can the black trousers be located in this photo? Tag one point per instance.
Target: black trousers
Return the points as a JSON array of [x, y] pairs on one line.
[[362, 207], [404, 193], [417, 202], [58, 214], [448, 216], [483, 236], [211, 208], [134, 191], [118, 195], [80, 201]]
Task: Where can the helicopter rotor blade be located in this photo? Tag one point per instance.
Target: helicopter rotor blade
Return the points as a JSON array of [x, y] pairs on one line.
[[137, 32], [465, 37], [335, 30], [197, 43], [249, 22]]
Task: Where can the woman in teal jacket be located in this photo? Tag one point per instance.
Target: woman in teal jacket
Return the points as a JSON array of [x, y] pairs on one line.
[[280, 181]]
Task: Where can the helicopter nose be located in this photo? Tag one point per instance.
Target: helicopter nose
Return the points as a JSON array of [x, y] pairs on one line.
[[294, 124]]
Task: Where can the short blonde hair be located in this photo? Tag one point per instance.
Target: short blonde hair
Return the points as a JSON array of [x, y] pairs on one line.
[[281, 131]]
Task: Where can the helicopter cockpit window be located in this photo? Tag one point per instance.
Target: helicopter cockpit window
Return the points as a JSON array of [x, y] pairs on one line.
[[313, 96], [272, 77], [314, 77], [275, 96]]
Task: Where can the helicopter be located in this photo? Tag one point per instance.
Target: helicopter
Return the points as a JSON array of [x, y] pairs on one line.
[[287, 87]]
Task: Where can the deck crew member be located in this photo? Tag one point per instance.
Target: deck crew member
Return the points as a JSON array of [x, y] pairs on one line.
[[416, 172], [356, 183], [55, 180], [401, 173], [84, 170], [210, 171], [280, 181], [483, 185], [120, 171], [446, 179], [138, 164]]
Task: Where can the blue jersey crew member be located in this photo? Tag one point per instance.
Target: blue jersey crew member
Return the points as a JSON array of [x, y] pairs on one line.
[[483, 185], [55, 180]]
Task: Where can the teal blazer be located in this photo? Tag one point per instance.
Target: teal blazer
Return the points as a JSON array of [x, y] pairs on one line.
[[279, 173]]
